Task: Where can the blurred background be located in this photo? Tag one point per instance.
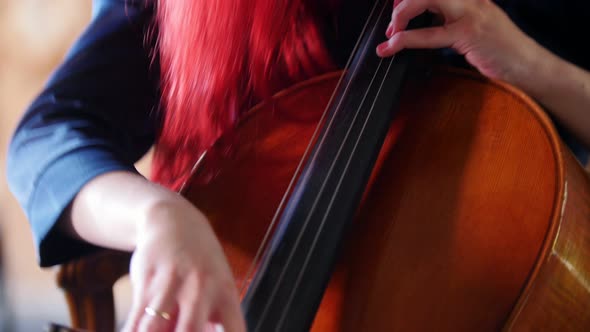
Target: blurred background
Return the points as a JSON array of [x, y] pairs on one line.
[[34, 37]]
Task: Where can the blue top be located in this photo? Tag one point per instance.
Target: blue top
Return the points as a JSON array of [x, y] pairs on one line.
[[97, 111]]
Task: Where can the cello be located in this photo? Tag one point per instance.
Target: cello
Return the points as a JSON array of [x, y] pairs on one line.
[[474, 216], [464, 213]]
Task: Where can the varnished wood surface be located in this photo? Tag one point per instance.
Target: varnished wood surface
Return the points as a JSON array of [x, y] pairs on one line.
[[454, 224], [458, 214], [558, 295]]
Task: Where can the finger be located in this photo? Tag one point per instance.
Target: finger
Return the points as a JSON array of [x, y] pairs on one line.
[[161, 310], [139, 300], [161, 315], [227, 310], [435, 37], [405, 11], [192, 316], [136, 312], [195, 305], [140, 277], [390, 26], [389, 30]]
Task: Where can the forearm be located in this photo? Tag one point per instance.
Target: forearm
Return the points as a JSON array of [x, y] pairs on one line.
[[111, 209], [178, 265], [563, 88]]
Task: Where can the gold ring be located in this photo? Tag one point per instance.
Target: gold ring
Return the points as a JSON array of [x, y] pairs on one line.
[[155, 313]]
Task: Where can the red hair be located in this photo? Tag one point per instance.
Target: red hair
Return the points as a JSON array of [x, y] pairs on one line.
[[218, 58]]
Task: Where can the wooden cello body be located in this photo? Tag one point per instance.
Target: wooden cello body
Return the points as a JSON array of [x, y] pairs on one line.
[[476, 217]]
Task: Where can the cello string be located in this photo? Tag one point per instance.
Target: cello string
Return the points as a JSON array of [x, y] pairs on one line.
[[308, 219], [260, 251], [336, 191]]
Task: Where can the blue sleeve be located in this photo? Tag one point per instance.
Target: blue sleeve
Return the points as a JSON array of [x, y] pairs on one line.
[[96, 114]]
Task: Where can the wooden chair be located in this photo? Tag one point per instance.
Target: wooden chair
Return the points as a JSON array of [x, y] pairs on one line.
[[88, 287]]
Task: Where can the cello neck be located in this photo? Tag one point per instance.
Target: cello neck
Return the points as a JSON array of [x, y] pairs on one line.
[[298, 263]]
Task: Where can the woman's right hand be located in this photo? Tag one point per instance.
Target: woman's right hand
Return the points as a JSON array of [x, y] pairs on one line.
[[179, 269]]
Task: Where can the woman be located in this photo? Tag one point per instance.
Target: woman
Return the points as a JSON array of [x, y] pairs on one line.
[[71, 159]]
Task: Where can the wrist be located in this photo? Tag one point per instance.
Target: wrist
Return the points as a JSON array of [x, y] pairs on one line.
[[535, 71], [166, 211], [526, 64], [159, 208]]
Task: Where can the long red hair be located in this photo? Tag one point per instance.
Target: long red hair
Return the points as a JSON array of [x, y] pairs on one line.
[[218, 58]]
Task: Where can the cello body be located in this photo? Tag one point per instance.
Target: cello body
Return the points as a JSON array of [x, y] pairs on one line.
[[476, 217]]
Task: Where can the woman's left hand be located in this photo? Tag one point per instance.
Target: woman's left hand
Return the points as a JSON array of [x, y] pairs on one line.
[[478, 29]]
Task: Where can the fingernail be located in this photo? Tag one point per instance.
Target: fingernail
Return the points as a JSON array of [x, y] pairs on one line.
[[381, 47], [389, 31]]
